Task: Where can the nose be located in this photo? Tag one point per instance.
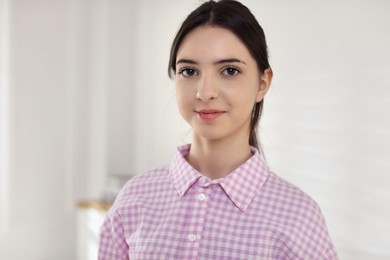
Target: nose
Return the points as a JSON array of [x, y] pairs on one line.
[[207, 88]]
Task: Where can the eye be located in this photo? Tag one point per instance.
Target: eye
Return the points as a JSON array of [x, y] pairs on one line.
[[188, 72], [231, 71]]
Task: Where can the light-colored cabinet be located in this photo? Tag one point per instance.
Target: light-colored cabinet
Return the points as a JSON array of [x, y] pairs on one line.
[[90, 216]]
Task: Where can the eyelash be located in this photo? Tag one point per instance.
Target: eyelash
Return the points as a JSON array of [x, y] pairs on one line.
[[237, 71], [182, 70]]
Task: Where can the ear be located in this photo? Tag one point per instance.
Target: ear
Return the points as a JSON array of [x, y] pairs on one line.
[[264, 84]]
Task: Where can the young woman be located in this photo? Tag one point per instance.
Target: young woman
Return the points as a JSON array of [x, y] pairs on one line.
[[217, 199]]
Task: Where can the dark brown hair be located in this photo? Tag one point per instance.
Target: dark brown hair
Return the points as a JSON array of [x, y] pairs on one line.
[[237, 18]]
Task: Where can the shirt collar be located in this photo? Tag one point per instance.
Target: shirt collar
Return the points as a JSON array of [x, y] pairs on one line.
[[241, 185], [182, 173]]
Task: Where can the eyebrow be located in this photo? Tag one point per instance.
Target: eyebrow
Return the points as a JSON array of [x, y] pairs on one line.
[[229, 60]]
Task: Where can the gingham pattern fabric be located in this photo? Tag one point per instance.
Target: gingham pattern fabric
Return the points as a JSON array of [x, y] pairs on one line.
[[174, 212]]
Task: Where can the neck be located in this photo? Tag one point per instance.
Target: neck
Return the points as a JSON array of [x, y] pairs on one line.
[[217, 158]]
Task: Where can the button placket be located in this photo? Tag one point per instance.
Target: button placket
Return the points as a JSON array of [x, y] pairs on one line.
[[192, 237], [202, 196], [200, 210]]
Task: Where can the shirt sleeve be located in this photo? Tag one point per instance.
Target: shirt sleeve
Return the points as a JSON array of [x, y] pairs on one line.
[[112, 242]]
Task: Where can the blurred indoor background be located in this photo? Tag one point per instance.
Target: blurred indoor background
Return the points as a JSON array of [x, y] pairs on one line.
[[86, 103]]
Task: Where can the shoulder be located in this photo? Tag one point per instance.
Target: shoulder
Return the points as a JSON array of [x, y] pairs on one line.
[[288, 195], [297, 218], [147, 178], [147, 184], [295, 208]]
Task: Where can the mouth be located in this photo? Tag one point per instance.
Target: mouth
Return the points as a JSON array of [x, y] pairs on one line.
[[209, 114]]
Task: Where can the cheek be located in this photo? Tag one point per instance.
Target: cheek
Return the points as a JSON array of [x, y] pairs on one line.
[[244, 97], [246, 108], [184, 99]]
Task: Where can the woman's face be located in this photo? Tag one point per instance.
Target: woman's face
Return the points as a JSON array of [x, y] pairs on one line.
[[217, 83]]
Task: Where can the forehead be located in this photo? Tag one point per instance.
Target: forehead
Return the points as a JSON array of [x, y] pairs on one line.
[[209, 43]]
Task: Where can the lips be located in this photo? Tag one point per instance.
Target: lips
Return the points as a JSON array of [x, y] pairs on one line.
[[209, 114]]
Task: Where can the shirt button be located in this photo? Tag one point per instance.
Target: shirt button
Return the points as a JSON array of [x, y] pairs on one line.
[[192, 237], [201, 196]]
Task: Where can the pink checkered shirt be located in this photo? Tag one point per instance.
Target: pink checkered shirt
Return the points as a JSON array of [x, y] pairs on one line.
[[174, 212]]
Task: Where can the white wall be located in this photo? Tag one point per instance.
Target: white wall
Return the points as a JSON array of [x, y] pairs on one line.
[[85, 93]]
